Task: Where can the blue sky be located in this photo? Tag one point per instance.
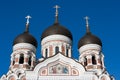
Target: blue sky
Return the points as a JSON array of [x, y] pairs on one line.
[[104, 23]]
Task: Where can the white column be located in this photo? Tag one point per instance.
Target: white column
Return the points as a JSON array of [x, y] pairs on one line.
[[70, 52], [97, 58], [89, 57], [12, 59], [60, 47], [32, 60], [26, 56], [17, 56], [82, 60], [102, 58], [54, 49]]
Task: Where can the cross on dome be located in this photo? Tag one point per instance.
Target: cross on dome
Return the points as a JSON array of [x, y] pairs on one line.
[[56, 7], [87, 18], [27, 23], [87, 24], [28, 18], [56, 13]]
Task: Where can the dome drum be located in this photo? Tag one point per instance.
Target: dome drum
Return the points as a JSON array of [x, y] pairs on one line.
[[90, 47], [24, 46]]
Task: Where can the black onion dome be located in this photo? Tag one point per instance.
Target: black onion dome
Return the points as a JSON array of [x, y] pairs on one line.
[[89, 38], [56, 28], [25, 37]]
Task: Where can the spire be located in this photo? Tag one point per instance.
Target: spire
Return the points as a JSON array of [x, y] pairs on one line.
[[87, 24], [27, 23], [56, 13]]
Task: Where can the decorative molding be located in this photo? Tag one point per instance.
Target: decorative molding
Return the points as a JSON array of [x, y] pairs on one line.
[[24, 46], [56, 38], [54, 60], [89, 47]]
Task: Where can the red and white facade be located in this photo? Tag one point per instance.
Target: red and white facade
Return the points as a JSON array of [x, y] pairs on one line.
[[58, 66]]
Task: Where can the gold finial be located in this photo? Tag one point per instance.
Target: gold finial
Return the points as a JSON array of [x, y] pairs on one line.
[[87, 24], [27, 22], [56, 13]]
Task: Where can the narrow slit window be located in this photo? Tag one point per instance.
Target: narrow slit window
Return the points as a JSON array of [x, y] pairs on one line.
[[21, 60], [46, 52], [85, 62], [29, 62], [93, 60], [67, 52], [56, 49]]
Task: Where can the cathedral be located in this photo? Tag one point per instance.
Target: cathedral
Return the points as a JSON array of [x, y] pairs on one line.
[[57, 62]]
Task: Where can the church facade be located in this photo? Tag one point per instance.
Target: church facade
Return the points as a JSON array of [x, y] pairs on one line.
[[57, 62]]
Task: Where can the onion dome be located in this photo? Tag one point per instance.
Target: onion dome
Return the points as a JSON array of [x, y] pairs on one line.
[[56, 28], [89, 38], [26, 37]]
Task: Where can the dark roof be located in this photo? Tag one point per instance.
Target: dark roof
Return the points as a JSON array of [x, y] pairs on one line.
[[25, 37], [56, 28], [89, 38]]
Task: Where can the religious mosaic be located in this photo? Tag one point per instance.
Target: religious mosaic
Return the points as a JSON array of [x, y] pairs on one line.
[[58, 69]]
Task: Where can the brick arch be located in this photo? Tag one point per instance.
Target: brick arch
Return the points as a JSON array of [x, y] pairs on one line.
[[103, 78], [12, 78], [23, 78]]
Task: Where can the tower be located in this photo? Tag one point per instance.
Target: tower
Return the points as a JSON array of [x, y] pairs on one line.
[[23, 55], [90, 51], [56, 39]]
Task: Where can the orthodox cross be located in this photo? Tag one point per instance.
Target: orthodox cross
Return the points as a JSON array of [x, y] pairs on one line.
[[56, 7], [28, 18], [27, 23], [87, 23], [87, 18]]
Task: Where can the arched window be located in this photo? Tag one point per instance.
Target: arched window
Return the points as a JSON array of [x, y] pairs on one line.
[[85, 62], [46, 52], [21, 59], [56, 49], [29, 62], [93, 60]]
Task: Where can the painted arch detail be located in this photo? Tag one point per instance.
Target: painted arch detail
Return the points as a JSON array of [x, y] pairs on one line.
[[59, 65], [58, 68]]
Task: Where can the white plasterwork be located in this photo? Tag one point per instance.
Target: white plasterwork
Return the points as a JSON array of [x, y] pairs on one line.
[[56, 37], [24, 45], [89, 47]]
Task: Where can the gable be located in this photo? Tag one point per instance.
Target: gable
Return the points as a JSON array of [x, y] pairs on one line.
[[58, 68], [58, 65]]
